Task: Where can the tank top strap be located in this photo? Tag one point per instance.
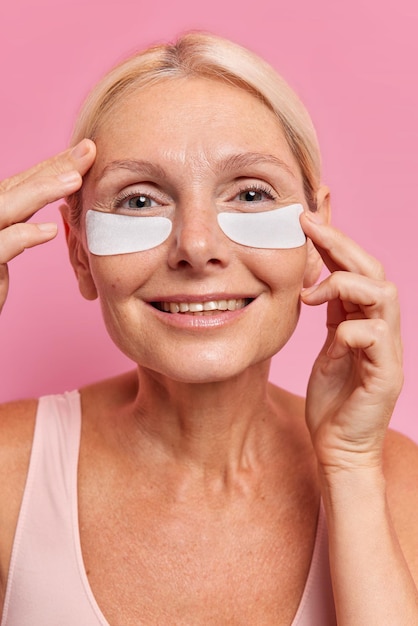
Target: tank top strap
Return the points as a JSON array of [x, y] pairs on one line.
[[47, 581], [317, 602]]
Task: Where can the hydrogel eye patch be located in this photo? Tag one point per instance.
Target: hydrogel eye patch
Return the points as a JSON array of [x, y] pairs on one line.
[[279, 228], [112, 233]]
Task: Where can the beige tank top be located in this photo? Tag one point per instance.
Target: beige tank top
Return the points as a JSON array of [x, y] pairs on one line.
[[47, 583]]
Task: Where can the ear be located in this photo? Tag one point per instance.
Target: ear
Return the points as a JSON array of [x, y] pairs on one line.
[[314, 263], [78, 256]]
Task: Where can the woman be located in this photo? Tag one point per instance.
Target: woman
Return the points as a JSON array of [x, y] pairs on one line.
[[192, 491]]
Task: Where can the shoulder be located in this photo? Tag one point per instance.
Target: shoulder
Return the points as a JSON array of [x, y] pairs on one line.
[[400, 464], [17, 423], [106, 396], [401, 474]]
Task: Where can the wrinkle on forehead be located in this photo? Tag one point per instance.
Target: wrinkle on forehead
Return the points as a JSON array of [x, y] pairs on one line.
[[137, 166], [190, 130], [198, 163]]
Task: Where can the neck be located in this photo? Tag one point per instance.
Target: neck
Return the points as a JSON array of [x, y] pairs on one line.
[[210, 425]]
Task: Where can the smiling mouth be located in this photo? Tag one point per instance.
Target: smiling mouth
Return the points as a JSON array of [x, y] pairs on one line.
[[202, 308]]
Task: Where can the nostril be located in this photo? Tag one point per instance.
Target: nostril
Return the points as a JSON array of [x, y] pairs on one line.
[[182, 263], [197, 248]]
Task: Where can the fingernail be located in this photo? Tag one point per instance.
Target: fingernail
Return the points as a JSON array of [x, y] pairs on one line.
[[80, 150]]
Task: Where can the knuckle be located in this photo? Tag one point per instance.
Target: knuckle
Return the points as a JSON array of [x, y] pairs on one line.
[[396, 383], [19, 235], [343, 330], [380, 328], [41, 186], [390, 291], [7, 184], [335, 278], [45, 166], [377, 270], [57, 165]]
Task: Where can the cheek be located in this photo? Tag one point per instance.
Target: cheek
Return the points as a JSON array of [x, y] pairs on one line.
[[123, 274], [282, 274], [117, 279], [281, 270]]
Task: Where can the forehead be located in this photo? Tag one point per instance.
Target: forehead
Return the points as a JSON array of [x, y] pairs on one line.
[[193, 121]]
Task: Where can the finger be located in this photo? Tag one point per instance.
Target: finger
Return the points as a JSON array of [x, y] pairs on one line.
[[375, 340], [18, 204], [79, 158], [25, 194], [339, 251], [354, 297], [373, 296], [4, 285], [15, 239]]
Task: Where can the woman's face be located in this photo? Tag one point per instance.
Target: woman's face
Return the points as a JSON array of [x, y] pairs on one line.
[[188, 149]]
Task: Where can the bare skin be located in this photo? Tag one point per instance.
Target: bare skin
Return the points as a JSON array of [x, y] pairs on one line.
[[153, 503], [210, 475], [227, 514]]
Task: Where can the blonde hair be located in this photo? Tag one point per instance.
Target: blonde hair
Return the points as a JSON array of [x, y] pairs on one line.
[[209, 56]]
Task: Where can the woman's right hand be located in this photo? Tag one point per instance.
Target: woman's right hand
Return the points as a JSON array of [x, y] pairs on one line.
[[24, 194]]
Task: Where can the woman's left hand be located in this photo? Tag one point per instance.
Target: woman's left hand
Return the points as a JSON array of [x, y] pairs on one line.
[[357, 376]]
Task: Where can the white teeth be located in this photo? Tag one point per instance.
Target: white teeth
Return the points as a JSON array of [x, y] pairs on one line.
[[199, 307], [210, 306], [195, 307]]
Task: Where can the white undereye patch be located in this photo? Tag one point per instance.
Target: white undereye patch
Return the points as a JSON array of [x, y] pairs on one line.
[[112, 233], [279, 228]]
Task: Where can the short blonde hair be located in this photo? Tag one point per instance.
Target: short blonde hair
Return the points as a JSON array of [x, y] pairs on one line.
[[205, 55]]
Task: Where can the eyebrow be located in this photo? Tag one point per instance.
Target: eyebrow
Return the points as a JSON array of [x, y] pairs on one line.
[[232, 162], [248, 159], [136, 166]]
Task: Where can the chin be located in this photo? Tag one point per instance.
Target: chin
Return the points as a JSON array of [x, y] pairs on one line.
[[199, 361], [208, 367]]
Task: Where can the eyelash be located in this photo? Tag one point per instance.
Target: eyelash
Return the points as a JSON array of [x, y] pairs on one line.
[[259, 188], [127, 195], [264, 189]]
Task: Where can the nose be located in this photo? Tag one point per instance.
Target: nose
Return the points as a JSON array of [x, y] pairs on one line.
[[196, 241]]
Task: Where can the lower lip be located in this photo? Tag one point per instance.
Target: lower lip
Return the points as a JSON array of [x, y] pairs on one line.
[[198, 322]]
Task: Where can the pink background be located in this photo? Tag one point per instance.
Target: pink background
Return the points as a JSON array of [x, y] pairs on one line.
[[354, 65]]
